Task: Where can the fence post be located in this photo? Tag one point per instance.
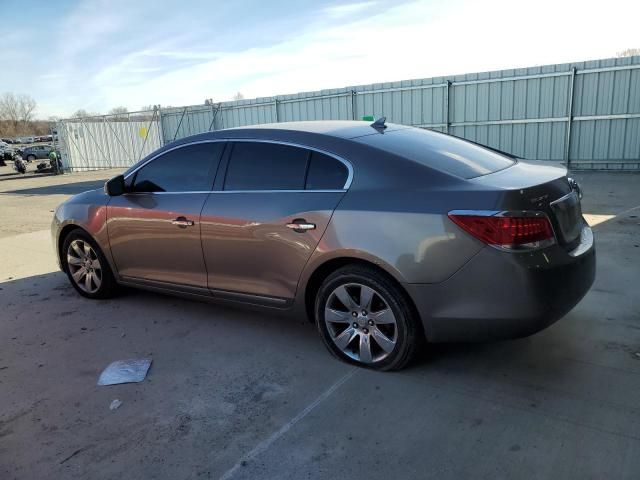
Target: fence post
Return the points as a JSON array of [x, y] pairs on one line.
[[104, 124], [213, 116], [353, 105], [275, 106], [567, 146], [446, 106], [84, 143], [160, 126], [56, 167], [179, 124], [132, 136], [144, 142]]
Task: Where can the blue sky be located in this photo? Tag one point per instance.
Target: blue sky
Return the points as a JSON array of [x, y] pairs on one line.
[[98, 54]]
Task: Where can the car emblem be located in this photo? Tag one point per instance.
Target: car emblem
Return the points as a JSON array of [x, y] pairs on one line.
[[539, 199]]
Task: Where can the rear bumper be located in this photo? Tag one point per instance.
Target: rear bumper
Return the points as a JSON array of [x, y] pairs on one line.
[[499, 295]]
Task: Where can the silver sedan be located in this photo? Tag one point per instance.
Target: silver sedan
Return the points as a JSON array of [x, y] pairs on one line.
[[387, 237]]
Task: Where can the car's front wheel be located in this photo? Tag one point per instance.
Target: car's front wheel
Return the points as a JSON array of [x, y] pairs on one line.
[[366, 319], [87, 267]]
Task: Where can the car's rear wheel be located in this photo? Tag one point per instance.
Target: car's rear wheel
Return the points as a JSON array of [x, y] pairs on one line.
[[366, 319], [31, 158], [87, 267]]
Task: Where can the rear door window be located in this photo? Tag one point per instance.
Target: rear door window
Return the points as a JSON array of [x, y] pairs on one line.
[[266, 166], [441, 152], [191, 168]]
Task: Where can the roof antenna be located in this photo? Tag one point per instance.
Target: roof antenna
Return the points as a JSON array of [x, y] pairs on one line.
[[379, 124]]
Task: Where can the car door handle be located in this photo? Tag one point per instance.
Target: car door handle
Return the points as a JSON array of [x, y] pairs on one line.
[[183, 222], [301, 226]]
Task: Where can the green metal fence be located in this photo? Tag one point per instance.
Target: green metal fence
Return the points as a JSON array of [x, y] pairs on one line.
[[584, 114]]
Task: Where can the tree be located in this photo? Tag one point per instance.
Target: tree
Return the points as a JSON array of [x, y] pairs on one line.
[[629, 52], [17, 109], [81, 113], [26, 108], [238, 96], [118, 111]]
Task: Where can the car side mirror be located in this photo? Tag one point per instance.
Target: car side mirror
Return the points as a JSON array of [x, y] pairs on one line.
[[115, 186]]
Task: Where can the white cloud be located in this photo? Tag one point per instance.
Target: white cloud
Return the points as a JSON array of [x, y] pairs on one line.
[[348, 9], [370, 44]]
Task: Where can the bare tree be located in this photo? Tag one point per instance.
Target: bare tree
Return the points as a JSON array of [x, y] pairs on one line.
[[238, 96], [26, 108], [81, 113], [629, 52], [17, 109], [118, 111], [8, 108]]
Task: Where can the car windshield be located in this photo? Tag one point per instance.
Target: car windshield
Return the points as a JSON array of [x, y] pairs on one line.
[[439, 151]]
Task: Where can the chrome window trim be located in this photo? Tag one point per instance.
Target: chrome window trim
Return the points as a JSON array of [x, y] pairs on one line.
[[346, 163], [235, 191], [340, 190]]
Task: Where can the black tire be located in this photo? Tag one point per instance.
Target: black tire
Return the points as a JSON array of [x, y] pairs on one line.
[[408, 332], [30, 158], [108, 285]]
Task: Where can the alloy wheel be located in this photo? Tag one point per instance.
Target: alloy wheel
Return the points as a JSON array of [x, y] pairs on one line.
[[361, 323], [84, 266]]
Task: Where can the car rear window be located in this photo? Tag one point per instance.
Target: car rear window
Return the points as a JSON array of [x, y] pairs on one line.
[[325, 173], [441, 152]]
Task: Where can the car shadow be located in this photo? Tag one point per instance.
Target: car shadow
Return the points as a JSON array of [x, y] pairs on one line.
[[51, 299], [63, 189]]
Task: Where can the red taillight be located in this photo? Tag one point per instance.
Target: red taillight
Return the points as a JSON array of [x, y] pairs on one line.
[[508, 231]]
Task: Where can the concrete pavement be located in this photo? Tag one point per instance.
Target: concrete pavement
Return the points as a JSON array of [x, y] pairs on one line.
[[238, 394]]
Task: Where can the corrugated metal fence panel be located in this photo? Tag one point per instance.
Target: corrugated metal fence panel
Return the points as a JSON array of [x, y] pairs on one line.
[[410, 102], [523, 111], [109, 143], [333, 104], [607, 142], [247, 112], [184, 121]]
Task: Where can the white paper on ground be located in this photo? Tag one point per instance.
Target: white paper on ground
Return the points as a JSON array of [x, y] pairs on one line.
[[125, 371]]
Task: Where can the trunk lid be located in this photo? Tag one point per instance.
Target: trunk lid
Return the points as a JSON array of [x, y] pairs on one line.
[[539, 186]]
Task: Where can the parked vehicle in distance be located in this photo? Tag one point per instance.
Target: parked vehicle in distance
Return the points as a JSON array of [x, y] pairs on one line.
[[6, 152], [385, 236], [36, 152]]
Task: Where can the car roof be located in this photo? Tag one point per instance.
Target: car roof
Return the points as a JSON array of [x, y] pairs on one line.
[[346, 129]]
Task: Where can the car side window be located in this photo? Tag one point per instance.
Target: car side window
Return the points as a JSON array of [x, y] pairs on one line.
[[266, 166], [191, 168], [326, 173]]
